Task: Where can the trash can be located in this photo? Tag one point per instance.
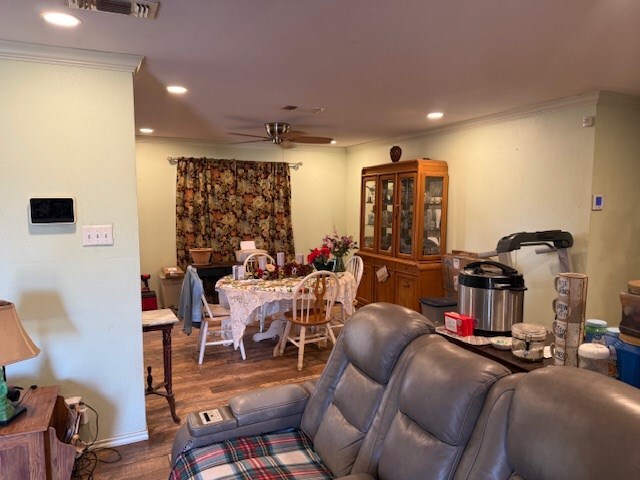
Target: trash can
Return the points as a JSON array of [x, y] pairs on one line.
[[434, 308], [170, 286]]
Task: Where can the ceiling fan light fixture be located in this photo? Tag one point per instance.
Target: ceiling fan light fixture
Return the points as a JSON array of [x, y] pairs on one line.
[[177, 89], [61, 19], [275, 130]]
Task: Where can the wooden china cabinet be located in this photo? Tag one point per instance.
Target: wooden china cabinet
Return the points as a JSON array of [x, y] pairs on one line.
[[403, 224]]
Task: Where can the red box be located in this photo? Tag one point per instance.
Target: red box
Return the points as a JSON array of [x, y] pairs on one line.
[[459, 324]]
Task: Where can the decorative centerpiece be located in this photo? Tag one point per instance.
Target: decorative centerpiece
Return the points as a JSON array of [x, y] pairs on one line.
[[319, 258], [332, 245], [274, 272]]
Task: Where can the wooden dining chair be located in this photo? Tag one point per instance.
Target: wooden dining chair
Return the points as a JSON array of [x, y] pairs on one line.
[[252, 261], [355, 266], [211, 319], [313, 299], [217, 327], [250, 266]]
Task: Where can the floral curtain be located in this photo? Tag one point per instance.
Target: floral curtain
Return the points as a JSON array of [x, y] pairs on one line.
[[221, 202]]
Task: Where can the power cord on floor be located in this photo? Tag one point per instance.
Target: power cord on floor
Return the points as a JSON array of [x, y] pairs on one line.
[[88, 459]]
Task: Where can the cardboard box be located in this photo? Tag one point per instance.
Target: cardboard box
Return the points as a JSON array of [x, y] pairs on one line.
[[172, 272], [452, 263], [170, 288], [459, 324]]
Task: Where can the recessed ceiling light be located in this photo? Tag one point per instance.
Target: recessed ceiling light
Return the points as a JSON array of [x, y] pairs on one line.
[[146, 130], [177, 89], [435, 115], [333, 142], [61, 19]]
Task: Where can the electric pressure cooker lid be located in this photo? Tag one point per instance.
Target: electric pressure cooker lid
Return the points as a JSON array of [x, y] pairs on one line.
[[491, 275]]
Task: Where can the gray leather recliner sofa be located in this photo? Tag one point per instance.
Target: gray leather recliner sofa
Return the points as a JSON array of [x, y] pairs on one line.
[[396, 402]]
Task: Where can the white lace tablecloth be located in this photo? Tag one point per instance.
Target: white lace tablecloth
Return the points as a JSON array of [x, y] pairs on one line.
[[249, 298]]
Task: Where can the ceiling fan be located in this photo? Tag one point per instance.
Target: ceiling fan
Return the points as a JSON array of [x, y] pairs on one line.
[[280, 133]]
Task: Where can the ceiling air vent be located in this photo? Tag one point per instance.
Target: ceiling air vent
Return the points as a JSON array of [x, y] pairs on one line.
[[135, 8]]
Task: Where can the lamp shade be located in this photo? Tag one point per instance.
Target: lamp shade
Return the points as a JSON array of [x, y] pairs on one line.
[[15, 343]]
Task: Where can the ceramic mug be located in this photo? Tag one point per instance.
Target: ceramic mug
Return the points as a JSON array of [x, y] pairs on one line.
[[564, 355], [571, 285], [566, 333], [561, 309]]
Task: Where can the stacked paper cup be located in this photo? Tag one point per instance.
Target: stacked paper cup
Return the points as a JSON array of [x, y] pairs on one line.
[[569, 308]]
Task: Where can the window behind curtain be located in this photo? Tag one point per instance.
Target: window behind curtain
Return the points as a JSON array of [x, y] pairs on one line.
[[221, 202]]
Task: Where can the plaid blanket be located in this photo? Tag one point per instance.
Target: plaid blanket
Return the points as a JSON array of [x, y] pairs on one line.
[[276, 456]]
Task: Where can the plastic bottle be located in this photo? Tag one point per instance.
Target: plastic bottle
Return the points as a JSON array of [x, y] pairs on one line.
[[594, 331], [593, 356], [610, 340]]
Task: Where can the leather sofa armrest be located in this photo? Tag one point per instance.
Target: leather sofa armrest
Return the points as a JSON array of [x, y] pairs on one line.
[[269, 403], [251, 413], [357, 476]]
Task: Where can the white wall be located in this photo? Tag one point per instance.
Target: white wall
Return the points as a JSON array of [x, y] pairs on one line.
[[317, 192], [69, 131], [614, 256], [528, 170]]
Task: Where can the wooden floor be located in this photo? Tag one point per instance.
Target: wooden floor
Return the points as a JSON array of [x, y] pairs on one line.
[[222, 374]]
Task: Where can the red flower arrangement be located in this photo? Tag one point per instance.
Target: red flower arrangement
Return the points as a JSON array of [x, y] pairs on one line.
[[321, 255]]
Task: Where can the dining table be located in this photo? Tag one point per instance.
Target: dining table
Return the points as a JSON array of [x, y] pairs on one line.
[[250, 299]]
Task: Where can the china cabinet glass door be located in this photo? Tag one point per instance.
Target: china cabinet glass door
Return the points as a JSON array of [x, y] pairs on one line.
[[432, 221], [387, 203], [407, 202], [368, 213]]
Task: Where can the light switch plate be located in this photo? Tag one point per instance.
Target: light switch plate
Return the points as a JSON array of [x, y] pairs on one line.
[[97, 235]]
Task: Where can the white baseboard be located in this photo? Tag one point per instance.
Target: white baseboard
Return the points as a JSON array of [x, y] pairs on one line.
[[140, 436]]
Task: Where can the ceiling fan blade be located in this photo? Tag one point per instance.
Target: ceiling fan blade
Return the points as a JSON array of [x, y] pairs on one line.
[[292, 134], [250, 141], [247, 135], [310, 139]]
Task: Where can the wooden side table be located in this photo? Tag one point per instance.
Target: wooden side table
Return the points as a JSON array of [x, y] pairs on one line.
[[34, 446], [505, 357], [163, 320]]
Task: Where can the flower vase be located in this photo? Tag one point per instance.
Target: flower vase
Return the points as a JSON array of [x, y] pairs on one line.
[[338, 265], [323, 266]]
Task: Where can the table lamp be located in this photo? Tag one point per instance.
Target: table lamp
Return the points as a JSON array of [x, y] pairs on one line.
[[16, 346]]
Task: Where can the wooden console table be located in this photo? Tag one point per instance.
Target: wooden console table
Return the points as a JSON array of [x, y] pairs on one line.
[[505, 357], [33, 446], [163, 320], [210, 274]]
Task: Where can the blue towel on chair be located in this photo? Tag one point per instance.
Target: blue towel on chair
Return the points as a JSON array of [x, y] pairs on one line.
[[190, 307]]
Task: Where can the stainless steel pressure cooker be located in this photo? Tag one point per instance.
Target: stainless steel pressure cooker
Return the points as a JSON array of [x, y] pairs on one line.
[[493, 294]]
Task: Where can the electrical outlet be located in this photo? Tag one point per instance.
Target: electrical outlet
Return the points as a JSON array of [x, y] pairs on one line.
[[73, 402]]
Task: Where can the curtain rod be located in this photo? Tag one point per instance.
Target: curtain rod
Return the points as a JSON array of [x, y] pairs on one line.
[[294, 166]]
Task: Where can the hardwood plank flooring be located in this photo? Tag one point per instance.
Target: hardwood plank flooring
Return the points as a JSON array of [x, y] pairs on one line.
[[222, 375]]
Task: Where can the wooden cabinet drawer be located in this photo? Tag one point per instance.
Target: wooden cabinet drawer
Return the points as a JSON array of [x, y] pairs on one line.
[[406, 287]]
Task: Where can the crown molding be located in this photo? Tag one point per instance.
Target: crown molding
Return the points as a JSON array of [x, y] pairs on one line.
[[76, 57], [587, 99], [619, 99]]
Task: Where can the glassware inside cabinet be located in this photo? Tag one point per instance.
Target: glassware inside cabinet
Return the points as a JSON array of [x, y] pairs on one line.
[[406, 215], [431, 234], [386, 214], [369, 213]]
